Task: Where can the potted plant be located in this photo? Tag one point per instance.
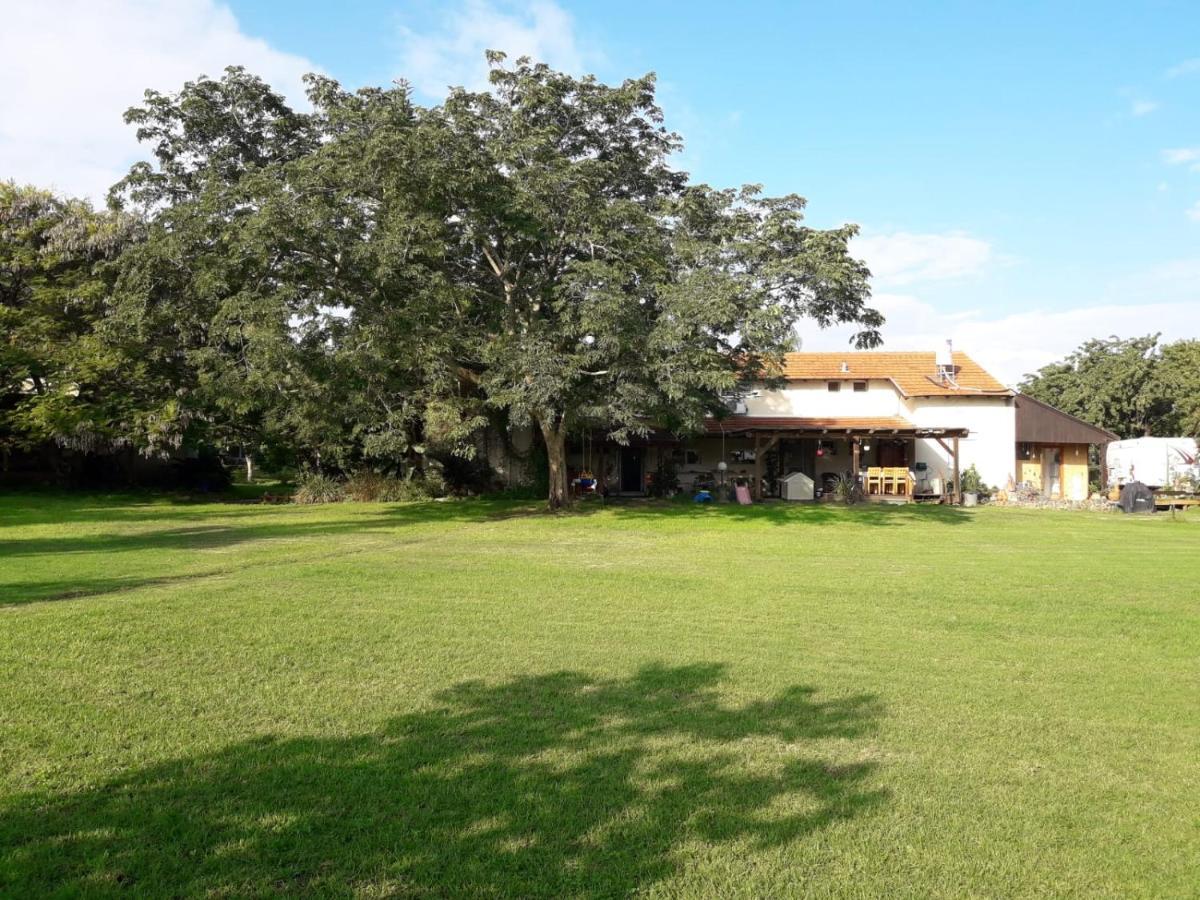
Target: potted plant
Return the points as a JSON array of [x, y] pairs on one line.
[[972, 486]]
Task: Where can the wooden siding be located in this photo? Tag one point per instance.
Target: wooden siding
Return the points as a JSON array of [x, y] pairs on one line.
[[1073, 474]]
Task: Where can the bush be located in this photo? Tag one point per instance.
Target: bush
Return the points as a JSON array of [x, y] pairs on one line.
[[972, 482], [846, 488], [664, 482], [313, 487], [371, 487]]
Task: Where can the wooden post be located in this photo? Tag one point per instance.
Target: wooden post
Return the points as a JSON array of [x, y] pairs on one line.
[[957, 479], [756, 488], [855, 448]]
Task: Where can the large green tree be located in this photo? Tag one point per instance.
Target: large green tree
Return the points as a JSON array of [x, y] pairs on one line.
[[358, 280], [606, 292]]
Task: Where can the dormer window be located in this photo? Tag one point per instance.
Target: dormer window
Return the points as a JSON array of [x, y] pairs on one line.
[[860, 387], [834, 386]]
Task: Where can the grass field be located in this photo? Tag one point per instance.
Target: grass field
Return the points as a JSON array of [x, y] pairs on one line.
[[478, 699]]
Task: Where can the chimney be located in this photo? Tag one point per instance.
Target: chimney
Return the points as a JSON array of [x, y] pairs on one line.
[[845, 367]]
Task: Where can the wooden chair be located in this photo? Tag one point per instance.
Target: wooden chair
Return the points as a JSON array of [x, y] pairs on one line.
[[895, 480], [874, 480]]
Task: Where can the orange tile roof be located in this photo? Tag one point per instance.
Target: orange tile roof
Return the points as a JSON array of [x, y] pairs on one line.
[[913, 374], [795, 423]]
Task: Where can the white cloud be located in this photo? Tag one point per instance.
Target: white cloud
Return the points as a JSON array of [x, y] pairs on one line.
[[1011, 345], [70, 68], [1193, 212], [906, 258], [1143, 107], [1181, 156], [1187, 67], [452, 53]]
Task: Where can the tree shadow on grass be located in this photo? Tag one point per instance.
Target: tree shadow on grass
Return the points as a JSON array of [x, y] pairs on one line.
[[80, 588], [384, 521], [549, 785]]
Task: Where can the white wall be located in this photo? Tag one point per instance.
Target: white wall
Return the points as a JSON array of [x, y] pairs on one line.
[[814, 400], [991, 446], [991, 421]]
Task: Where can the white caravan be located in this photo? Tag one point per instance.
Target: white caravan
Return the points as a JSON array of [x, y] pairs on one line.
[[1156, 462]]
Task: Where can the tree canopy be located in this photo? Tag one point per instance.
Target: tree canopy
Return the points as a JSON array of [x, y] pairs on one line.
[[58, 373], [366, 281], [1134, 387]]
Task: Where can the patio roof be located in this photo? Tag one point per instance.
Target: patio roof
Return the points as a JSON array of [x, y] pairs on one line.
[[892, 426]]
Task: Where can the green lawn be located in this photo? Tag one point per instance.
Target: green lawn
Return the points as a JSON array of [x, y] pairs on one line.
[[477, 699]]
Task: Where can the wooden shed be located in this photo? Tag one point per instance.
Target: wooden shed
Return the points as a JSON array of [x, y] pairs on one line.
[[1053, 448]]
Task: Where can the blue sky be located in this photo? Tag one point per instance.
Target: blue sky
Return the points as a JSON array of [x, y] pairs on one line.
[[1026, 175]]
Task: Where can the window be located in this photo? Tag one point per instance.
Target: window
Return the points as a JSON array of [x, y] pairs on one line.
[[835, 386], [860, 387]]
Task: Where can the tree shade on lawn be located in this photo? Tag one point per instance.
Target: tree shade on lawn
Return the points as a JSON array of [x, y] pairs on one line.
[[483, 699]]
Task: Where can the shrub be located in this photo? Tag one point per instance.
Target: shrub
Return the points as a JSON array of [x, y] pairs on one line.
[[972, 482], [846, 488], [371, 487], [664, 482], [313, 487]]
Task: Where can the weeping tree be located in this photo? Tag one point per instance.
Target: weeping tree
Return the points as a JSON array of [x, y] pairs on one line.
[[606, 291], [61, 383]]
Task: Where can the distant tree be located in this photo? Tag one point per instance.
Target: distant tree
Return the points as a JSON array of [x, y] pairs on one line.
[[1177, 381], [60, 380], [605, 292], [1111, 383]]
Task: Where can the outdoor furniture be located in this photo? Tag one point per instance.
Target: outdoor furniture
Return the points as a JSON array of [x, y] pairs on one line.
[[874, 479], [895, 480]]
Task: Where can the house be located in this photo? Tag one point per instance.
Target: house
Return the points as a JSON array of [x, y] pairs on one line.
[[908, 422]]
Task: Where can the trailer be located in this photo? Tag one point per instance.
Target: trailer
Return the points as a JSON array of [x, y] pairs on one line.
[[1171, 463]]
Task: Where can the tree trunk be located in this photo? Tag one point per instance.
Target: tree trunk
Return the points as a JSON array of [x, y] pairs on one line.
[[556, 456], [249, 469]]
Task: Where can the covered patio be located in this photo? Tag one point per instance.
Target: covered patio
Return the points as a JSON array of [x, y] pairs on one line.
[[881, 451]]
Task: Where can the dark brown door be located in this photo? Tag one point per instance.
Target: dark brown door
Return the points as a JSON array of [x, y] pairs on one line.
[[631, 470], [893, 454]]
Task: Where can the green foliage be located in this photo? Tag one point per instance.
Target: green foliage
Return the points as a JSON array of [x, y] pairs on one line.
[[371, 487], [1133, 387], [61, 379], [315, 487], [972, 481], [847, 489], [665, 479], [608, 293], [356, 285], [1177, 380]]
